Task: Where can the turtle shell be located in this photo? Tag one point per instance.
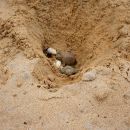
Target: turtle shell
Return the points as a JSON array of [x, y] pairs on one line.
[[67, 58]]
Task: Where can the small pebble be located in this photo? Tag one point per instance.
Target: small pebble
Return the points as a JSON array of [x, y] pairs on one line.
[[51, 78], [89, 76], [53, 90], [25, 123], [38, 86], [14, 95]]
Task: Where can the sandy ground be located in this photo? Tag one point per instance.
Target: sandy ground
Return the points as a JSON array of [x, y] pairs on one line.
[[34, 95]]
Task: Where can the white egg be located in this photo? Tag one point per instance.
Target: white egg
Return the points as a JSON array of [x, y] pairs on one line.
[[51, 51], [57, 64]]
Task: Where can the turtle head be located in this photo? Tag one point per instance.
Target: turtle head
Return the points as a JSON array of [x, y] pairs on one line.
[[59, 56]]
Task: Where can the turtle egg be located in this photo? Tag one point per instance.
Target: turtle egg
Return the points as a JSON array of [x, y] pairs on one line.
[[51, 51], [57, 64]]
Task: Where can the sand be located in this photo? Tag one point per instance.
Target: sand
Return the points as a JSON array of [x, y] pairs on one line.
[[34, 95]]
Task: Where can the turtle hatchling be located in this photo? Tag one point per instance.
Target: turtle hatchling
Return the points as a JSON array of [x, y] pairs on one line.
[[67, 58], [68, 70]]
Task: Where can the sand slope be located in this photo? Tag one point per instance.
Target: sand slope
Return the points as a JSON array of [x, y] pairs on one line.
[[34, 95]]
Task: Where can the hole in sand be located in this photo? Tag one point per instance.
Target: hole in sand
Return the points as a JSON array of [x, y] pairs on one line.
[[71, 26]]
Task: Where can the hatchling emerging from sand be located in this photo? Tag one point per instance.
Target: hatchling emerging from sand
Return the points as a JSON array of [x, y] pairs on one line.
[[67, 58], [68, 70]]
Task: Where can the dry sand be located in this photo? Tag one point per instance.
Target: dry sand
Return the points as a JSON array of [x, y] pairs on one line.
[[34, 95]]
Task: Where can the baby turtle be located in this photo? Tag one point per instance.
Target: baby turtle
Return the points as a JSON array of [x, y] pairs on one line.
[[68, 70], [49, 51], [67, 58]]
